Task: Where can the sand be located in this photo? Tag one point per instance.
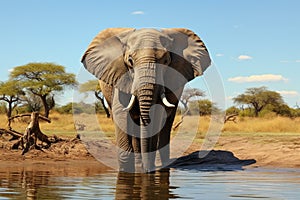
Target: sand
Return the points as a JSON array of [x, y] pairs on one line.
[[274, 151]]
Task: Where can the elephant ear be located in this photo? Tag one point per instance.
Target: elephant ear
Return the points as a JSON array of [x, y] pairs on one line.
[[104, 58], [189, 55]]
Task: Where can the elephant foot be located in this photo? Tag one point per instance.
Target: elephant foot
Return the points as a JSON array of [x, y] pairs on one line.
[[148, 167], [126, 161]]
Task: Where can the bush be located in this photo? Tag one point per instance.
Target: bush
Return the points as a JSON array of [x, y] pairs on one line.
[[66, 109], [77, 108], [232, 110], [248, 112], [268, 114]]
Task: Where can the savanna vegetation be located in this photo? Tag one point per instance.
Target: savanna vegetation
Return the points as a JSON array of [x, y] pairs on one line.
[[33, 87]]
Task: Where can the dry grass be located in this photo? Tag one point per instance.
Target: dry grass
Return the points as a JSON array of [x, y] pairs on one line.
[[255, 125], [64, 125]]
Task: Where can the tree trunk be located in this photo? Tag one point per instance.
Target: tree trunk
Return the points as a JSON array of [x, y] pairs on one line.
[[45, 104], [32, 134], [9, 110], [102, 102]]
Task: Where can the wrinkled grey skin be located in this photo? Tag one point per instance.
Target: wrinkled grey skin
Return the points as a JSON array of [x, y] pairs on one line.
[[145, 65]]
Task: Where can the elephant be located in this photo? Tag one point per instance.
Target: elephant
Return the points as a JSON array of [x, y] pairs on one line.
[[142, 73]]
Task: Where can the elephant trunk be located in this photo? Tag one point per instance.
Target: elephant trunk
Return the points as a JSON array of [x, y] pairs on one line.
[[146, 96], [146, 90], [149, 90], [147, 93]]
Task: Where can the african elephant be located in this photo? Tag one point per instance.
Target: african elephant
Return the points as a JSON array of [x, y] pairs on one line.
[[142, 73]]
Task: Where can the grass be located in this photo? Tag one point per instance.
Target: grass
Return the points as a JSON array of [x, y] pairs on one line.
[[266, 125], [64, 125]]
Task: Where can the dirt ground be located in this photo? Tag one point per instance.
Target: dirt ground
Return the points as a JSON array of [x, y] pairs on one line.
[[279, 151], [274, 151]]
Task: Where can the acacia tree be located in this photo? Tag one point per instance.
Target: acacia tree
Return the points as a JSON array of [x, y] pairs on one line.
[[93, 86], [10, 92], [188, 94], [259, 98], [203, 107], [42, 80]]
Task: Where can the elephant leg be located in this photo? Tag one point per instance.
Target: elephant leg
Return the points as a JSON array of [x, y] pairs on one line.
[[164, 140], [125, 151], [124, 134], [148, 149], [136, 140], [136, 143], [165, 133], [149, 136]]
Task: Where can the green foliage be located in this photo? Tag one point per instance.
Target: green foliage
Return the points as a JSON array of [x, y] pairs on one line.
[[232, 110], [93, 86], [283, 110], [90, 86], [77, 108], [247, 113], [259, 98], [66, 109], [10, 92], [42, 80], [99, 108], [23, 109], [202, 107], [295, 112], [188, 94], [10, 88]]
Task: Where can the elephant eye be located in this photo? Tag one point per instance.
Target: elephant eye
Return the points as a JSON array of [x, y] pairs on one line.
[[130, 61], [167, 61]]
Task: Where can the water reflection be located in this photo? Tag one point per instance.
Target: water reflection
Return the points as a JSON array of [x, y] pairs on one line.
[[144, 186], [33, 181], [81, 180], [26, 184]]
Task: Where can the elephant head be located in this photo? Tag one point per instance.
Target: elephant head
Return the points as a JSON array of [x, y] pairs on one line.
[[147, 64], [127, 59]]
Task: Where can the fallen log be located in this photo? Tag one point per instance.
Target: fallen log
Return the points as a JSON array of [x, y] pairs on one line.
[[15, 134], [175, 126], [231, 117]]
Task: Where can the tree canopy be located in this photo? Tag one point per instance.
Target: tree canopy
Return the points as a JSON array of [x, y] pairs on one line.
[[43, 79], [203, 107], [187, 96], [10, 92], [93, 86], [259, 98]]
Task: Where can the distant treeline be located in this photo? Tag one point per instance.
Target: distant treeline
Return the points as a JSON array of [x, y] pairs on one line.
[[32, 87]]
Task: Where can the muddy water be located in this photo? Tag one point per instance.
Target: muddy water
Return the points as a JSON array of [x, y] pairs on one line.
[[69, 180]]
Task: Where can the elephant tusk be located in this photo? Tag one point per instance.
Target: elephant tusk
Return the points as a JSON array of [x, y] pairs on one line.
[[131, 103], [166, 102]]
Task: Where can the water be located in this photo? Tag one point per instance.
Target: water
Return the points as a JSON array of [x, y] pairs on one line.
[[65, 182]]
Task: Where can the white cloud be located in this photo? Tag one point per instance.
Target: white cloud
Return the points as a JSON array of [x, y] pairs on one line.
[[138, 12], [258, 78], [229, 98], [219, 54], [244, 57], [289, 61], [284, 61], [288, 93], [10, 70]]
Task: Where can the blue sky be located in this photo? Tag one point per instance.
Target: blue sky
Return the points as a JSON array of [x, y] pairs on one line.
[[252, 43]]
